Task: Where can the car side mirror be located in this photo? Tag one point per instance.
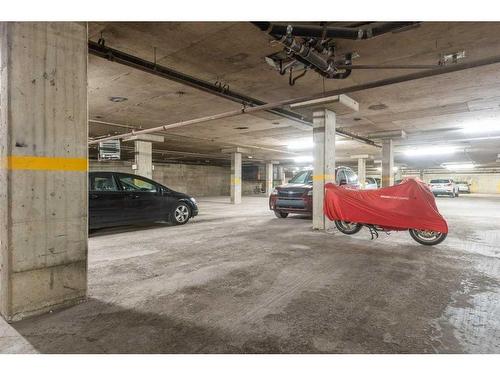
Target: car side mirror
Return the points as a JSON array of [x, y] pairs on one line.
[[343, 182]]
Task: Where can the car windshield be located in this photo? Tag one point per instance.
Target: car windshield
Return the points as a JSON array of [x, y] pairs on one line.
[[300, 178], [462, 182], [440, 181]]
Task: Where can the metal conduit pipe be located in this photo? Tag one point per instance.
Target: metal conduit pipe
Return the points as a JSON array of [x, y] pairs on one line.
[[333, 32], [345, 90]]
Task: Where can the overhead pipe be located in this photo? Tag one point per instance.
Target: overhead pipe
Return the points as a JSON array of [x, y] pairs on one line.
[[345, 90], [97, 140], [111, 54], [332, 32], [323, 65]]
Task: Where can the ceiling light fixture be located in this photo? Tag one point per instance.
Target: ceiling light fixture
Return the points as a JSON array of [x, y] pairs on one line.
[[394, 169], [484, 126], [303, 159], [458, 166], [428, 151], [301, 144]]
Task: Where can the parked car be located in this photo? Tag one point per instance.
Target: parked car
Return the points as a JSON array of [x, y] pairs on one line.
[[371, 183], [444, 186], [296, 196], [122, 198], [463, 187]]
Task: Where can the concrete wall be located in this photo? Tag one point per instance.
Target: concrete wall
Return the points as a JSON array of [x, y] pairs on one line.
[[196, 180], [480, 183]]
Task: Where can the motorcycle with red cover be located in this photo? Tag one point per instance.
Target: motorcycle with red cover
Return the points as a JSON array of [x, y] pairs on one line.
[[408, 206]]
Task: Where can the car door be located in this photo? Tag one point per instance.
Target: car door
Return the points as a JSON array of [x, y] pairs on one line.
[[144, 199], [106, 200]]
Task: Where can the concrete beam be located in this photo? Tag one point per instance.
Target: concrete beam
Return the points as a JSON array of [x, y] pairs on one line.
[[145, 138], [388, 134], [232, 150], [363, 156], [43, 166], [340, 104]]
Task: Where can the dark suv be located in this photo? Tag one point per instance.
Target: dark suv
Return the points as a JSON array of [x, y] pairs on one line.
[[296, 196], [122, 198]]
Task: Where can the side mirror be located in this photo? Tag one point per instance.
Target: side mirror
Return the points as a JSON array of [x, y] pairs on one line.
[[343, 182]]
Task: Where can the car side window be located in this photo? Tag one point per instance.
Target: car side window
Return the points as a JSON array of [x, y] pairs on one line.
[[351, 177], [309, 178], [133, 183], [103, 182], [340, 176]]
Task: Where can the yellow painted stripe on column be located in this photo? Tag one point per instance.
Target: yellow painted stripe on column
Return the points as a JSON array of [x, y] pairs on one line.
[[322, 177], [235, 180], [44, 163]]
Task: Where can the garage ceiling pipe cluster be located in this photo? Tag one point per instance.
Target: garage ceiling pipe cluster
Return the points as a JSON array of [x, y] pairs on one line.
[[111, 54], [333, 32], [346, 90]]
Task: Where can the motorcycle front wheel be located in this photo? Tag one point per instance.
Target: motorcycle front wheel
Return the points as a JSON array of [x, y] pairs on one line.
[[427, 237], [347, 227]]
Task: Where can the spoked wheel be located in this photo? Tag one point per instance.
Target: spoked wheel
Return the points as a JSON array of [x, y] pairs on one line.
[[427, 237], [347, 227], [181, 214]]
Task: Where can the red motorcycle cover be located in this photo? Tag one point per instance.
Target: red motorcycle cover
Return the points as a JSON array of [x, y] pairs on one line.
[[409, 205]]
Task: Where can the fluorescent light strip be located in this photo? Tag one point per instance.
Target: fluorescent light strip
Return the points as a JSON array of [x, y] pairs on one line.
[[427, 151], [458, 166]]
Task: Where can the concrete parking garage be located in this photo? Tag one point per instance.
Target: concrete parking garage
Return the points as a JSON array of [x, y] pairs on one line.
[[236, 279]]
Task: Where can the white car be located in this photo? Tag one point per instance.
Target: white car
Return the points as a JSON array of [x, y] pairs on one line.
[[371, 183], [463, 186], [444, 186]]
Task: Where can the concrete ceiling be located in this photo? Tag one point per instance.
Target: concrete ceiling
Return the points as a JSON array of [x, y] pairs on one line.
[[432, 109]]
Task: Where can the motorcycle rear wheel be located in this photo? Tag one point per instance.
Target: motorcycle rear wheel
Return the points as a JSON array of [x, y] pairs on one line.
[[347, 227], [427, 237]]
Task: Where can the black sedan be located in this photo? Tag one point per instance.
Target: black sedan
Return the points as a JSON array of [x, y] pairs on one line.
[[122, 198]]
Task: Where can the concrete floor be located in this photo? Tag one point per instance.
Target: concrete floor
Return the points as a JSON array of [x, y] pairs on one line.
[[239, 280]]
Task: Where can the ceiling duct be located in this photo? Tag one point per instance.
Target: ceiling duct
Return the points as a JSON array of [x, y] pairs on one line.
[[316, 56], [312, 47], [370, 30]]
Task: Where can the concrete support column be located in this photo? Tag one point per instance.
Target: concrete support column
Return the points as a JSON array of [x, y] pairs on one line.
[[362, 172], [282, 175], [398, 175], [43, 166], [236, 178], [324, 162], [144, 159], [421, 175], [387, 163], [269, 179]]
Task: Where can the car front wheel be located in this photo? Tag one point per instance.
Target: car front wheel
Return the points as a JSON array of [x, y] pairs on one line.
[[281, 215], [181, 214]]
